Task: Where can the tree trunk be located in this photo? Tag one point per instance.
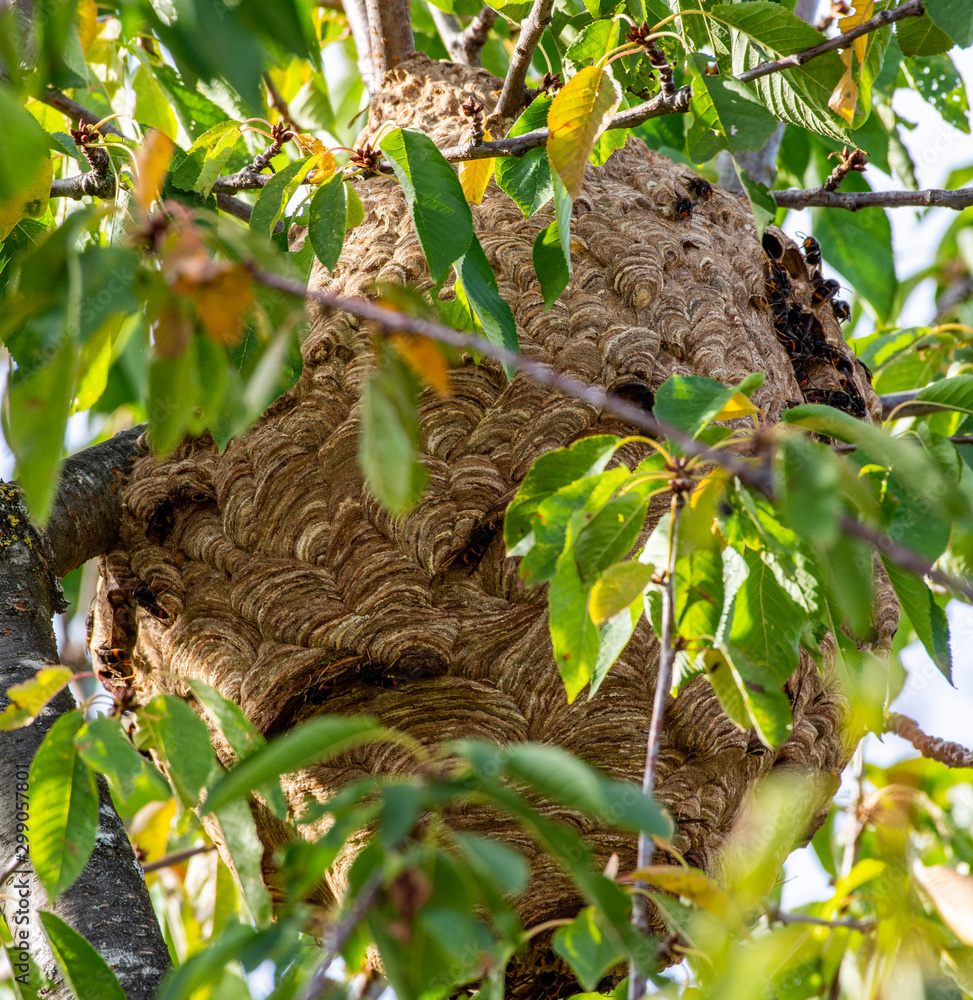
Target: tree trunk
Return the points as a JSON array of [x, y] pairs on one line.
[[287, 587]]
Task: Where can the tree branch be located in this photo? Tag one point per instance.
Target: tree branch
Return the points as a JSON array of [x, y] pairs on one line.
[[74, 111], [512, 96], [778, 916], [932, 747], [854, 200], [133, 947], [358, 22], [476, 35], [756, 474], [390, 34], [912, 8], [904, 557], [178, 857], [902, 405], [88, 507], [94, 184], [450, 31]]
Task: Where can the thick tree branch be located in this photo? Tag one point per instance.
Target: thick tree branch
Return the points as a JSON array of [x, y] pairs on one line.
[[512, 96], [912, 8], [854, 200], [358, 22], [111, 882], [476, 35], [94, 184], [88, 507], [450, 30], [946, 752], [390, 34]]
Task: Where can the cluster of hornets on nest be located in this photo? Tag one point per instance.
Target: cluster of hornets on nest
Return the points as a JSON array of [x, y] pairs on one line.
[[799, 331]]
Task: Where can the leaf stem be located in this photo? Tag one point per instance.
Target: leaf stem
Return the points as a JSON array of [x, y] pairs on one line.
[[512, 95]]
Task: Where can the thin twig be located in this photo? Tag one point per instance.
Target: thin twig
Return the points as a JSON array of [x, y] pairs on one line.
[[932, 747], [846, 447], [778, 916], [852, 201], [912, 8], [342, 931], [177, 857], [74, 111], [277, 102], [663, 681], [902, 556], [450, 31], [754, 474], [512, 95]]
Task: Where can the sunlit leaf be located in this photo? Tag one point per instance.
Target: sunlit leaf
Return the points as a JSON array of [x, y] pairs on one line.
[[474, 175], [153, 162], [425, 358], [616, 588], [952, 894], [579, 113]]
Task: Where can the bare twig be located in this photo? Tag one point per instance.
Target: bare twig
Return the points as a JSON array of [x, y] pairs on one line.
[[390, 33], [902, 404], [277, 102], [512, 95], [755, 474], [854, 200], [778, 916], [902, 556], [912, 8], [342, 931], [177, 857], [663, 682], [390, 320], [946, 752], [74, 111], [94, 184]]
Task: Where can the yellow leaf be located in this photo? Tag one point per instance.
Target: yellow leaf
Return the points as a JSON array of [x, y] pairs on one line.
[[577, 116], [32, 201], [474, 175], [844, 98], [150, 829], [691, 884], [738, 406], [153, 162], [86, 21], [708, 489], [862, 11], [324, 167], [30, 696], [222, 303], [617, 588], [425, 358]]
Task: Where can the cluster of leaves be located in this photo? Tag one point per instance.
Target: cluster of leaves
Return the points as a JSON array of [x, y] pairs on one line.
[[437, 900]]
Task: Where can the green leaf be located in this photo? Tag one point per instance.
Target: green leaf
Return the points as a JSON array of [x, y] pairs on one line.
[[240, 836], [955, 17], [174, 391], [767, 622], [585, 946], [728, 114], [617, 588], [207, 158], [550, 473], [388, 443], [613, 638], [479, 284], [181, 738], [86, 974], [242, 736], [690, 402], [921, 36], [527, 179], [593, 41], [439, 210], [770, 24], [64, 807], [104, 747], [699, 591], [197, 113], [23, 147], [553, 271], [310, 742], [574, 634], [277, 193], [609, 534], [954, 393], [151, 106], [812, 501], [927, 617], [327, 221], [498, 860], [565, 779]]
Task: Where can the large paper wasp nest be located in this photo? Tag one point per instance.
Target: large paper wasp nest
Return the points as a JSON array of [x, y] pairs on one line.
[[270, 573]]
